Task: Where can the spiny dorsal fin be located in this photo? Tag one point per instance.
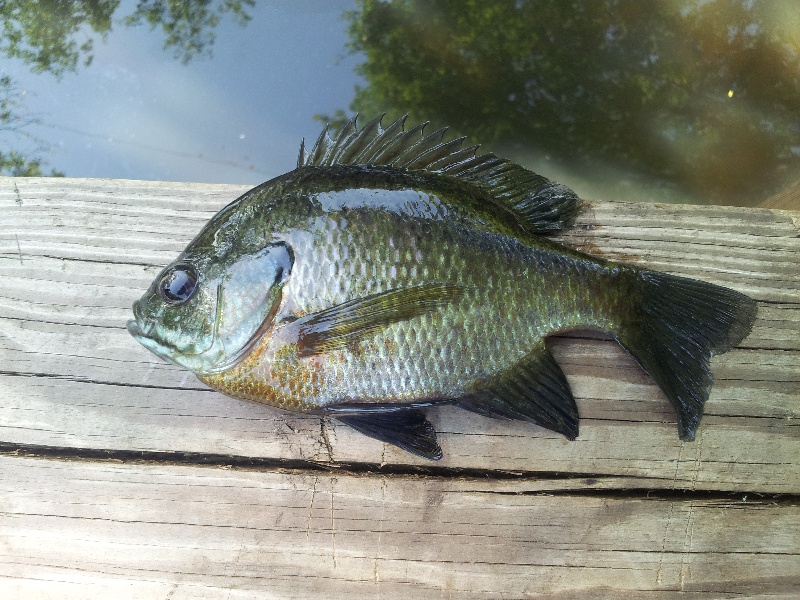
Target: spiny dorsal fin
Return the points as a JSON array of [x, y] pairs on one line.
[[543, 205]]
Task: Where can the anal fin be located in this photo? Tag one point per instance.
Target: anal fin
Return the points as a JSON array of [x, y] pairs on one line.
[[407, 429], [533, 390]]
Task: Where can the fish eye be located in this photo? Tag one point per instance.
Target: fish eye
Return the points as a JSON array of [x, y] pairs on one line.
[[178, 284]]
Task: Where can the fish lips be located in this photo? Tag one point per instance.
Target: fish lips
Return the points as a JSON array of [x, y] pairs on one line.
[[142, 328], [212, 358], [164, 351], [142, 334]]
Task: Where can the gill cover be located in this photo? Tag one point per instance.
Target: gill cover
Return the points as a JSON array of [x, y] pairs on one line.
[[248, 294], [207, 317]]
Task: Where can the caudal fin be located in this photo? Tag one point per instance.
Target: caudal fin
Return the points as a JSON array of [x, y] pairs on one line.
[[672, 331]]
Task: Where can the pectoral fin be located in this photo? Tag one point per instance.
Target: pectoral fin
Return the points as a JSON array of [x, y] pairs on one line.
[[349, 322], [407, 429], [533, 390]]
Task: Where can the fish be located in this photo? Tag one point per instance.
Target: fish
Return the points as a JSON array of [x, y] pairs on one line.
[[394, 270]]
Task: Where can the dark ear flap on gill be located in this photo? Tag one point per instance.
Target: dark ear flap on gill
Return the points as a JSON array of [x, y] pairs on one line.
[[283, 255], [542, 205]]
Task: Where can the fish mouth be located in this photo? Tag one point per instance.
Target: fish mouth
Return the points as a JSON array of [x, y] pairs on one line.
[[217, 354], [140, 326], [143, 329], [139, 332], [143, 336]]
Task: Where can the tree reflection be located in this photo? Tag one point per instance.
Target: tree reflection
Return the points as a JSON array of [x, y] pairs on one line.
[[703, 94], [188, 26], [13, 120], [56, 36]]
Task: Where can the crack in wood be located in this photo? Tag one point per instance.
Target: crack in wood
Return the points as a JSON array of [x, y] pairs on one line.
[[100, 382], [333, 524], [317, 468], [311, 508], [323, 431], [19, 249], [379, 546], [102, 261]]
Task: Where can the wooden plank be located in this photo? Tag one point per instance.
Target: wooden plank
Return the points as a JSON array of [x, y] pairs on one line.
[[102, 492], [103, 530], [786, 199], [74, 255]]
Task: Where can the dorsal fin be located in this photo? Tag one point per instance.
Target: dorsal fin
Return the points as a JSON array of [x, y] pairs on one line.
[[543, 205]]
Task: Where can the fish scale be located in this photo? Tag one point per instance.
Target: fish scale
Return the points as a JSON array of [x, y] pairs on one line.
[[394, 270], [404, 359]]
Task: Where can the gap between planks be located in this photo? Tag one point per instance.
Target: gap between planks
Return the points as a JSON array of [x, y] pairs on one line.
[[545, 483]]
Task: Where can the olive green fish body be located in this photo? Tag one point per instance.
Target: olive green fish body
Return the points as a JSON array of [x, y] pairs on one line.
[[366, 241], [392, 271]]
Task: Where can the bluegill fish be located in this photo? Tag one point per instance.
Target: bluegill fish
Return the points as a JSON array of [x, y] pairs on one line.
[[393, 270]]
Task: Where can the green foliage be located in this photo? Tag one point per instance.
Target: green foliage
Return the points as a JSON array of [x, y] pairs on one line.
[[7, 101], [705, 95], [13, 120], [56, 36], [188, 26], [17, 165], [51, 35]]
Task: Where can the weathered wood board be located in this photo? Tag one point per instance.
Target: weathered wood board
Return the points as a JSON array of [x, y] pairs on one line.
[[150, 531], [112, 483]]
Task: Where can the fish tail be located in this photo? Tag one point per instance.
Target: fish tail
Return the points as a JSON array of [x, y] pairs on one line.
[[672, 328]]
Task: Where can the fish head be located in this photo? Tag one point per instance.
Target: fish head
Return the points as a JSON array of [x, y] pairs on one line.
[[206, 312]]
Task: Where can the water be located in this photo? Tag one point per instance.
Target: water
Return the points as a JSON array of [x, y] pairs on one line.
[[236, 116], [689, 101]]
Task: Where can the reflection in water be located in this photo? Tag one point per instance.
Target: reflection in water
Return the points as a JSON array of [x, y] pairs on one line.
[[58, 37], [55, 37], [703, 97], [693, 100], [13, 120]]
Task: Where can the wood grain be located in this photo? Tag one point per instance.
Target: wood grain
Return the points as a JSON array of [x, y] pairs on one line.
[[786, 199], [78, 391], [142, 531]]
